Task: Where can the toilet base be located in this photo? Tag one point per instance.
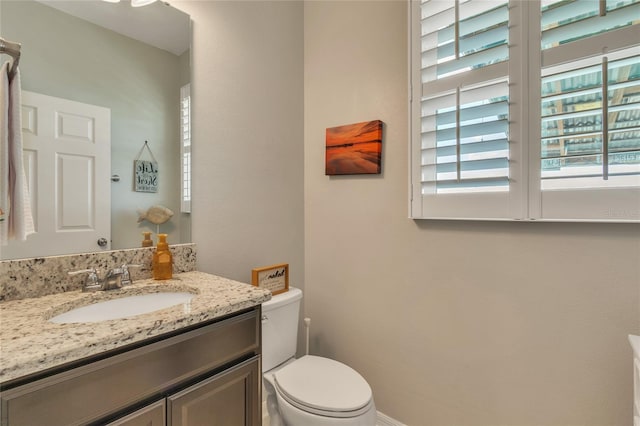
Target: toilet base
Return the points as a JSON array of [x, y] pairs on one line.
[[293, 416]]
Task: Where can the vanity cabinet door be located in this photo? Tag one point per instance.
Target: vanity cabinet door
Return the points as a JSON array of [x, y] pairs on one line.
[[102, 388], [230, 398], [151, 415]]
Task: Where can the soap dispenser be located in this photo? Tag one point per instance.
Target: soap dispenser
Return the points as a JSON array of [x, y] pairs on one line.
[[147, 242], [162, 263]]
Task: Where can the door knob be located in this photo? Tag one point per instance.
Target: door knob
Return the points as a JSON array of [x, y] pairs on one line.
[[102, 242]]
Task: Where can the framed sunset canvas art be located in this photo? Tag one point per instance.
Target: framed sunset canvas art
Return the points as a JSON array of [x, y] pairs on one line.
[[354, 149]]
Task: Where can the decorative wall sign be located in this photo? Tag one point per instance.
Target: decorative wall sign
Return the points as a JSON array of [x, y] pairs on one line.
[[146, 179], [354, 149], [274, 278], [145, 173]]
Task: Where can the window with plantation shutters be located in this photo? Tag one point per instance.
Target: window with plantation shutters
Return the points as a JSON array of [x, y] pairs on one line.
[[185, 148], [589, 158], [508, 119], [461, 99]]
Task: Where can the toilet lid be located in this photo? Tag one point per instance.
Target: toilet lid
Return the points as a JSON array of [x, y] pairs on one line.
[[323, 386]]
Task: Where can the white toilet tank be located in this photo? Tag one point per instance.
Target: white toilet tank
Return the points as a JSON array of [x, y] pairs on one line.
[[280, 328]]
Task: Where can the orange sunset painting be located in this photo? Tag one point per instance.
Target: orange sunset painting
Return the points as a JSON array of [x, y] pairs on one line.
[[354, 149]]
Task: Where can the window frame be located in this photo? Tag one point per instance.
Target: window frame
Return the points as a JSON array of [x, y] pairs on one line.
[[525, 200]]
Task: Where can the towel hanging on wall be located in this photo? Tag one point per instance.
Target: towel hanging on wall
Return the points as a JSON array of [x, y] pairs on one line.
[[14, 192], [12, 49]]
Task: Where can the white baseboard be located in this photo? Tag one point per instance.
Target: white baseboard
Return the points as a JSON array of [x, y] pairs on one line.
[[384, 420]]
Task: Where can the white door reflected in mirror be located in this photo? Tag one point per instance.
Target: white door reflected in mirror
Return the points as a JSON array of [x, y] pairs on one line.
[[67, 161]]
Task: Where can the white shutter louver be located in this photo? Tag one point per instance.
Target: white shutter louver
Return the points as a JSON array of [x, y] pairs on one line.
[[464, 101], [185, 148], [590, 99], [564, 21], [585, 143], [465, 140]]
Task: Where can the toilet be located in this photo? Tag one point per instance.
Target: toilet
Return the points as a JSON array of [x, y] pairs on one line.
[[311, 390]]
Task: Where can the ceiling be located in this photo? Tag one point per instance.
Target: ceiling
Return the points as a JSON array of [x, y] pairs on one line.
[[157, 24]]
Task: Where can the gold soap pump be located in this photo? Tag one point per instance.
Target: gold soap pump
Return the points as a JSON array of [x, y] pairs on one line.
[[147, 242], [162, 263]]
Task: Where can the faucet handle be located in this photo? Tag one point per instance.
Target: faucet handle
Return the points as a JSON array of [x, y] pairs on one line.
[[126, 277], [92, 282]]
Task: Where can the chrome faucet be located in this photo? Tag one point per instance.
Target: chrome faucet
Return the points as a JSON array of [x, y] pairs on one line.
[[112, 279], [92, 283]]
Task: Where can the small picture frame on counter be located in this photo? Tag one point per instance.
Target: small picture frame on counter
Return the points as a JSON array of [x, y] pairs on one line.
[[274, 278]]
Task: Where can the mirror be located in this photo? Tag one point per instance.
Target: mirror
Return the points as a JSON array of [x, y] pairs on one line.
[[66, 56]]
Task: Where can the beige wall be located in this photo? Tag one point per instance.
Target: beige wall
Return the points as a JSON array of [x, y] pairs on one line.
[[452, 323], [247, 130]]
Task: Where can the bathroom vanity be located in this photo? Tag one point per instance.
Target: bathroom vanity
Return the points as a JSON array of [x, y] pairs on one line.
[[176, 366]]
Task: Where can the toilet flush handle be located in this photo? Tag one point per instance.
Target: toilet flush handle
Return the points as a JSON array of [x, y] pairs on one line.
[[264, 318]]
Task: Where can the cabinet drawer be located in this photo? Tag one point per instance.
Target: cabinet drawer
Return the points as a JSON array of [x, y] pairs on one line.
[[104, 387]]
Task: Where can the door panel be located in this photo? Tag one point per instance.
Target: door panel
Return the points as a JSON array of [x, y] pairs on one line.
[[67, 159], [74, 187]]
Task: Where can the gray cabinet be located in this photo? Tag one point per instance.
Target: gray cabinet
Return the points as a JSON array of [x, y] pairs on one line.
[[152, 415], [226, 399], [230, 398], [224, 352]]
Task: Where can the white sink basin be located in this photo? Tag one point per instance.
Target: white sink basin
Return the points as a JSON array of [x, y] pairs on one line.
[[123, 307]]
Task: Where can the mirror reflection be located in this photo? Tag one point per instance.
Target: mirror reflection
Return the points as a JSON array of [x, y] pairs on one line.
[[66, 57]]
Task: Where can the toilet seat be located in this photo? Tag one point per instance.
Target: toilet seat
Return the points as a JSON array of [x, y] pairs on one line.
[[324, 387]]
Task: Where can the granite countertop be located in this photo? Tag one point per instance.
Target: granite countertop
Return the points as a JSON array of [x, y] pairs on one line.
[[29, 343]]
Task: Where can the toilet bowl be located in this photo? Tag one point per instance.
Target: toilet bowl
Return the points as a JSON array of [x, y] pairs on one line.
[[311, 390], [315, 391]]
